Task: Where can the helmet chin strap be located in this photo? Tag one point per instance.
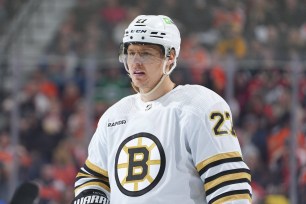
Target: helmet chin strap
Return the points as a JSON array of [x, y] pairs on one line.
[[162, 79], [165, 74], [156, 87]]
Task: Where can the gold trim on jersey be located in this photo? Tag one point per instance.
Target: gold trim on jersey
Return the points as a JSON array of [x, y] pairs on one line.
[[217, 157], [96, 168], [233, 197], [149, 162], [234, 176], [92, 175], [79, 175], [102, 185], [225, 178]]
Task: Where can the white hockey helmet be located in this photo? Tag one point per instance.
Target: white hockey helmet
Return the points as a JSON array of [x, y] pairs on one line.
[[152, 29]]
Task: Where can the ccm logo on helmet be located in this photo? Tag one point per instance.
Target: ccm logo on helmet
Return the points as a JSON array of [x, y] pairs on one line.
[[138, 31]]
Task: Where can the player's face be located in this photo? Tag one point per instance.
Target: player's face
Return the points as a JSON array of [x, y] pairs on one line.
[[145, 64]]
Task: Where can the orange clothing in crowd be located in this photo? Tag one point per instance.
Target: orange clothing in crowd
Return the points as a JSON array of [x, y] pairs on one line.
[[277, 140]]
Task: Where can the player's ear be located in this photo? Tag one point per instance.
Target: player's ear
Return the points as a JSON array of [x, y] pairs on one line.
[[171, 57]]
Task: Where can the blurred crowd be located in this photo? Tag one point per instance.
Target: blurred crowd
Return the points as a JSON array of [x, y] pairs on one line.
[[8, 11], [265, 40]]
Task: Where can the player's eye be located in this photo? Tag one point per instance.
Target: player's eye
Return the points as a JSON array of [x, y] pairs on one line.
[[145, 54], [131, 53]]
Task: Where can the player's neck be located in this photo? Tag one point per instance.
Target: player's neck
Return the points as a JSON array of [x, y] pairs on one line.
[[166, 86]]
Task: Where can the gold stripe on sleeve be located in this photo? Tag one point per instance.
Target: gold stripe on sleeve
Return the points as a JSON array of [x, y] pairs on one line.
[[102, 185], [96, 168], [90, 176], [217, 157], [230, 177]]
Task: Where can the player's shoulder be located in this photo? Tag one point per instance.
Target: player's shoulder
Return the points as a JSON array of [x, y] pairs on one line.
[[199, 96], [194, 89], [123, 106], [120, 109]]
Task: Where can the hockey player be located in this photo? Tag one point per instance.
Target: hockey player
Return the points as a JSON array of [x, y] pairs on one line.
[[167, 143]]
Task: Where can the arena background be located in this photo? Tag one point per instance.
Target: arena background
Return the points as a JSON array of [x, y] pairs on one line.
[[60, 71]]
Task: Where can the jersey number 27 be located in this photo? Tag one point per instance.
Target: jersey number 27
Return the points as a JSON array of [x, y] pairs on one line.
[[223, 124]]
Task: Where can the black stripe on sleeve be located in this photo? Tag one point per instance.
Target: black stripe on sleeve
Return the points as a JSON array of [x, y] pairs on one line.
[[93, 180], [104, 180], [227, 172], [226, 183], [218, 162], [96, 174], [230, 193]]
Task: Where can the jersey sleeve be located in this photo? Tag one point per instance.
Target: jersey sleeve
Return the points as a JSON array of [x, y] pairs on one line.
[[217, 156], [94, 174]]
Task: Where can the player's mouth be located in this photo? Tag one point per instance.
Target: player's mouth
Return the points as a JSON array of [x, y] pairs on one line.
[[138, 73]]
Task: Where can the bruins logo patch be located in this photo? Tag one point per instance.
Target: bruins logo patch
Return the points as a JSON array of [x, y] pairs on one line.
[[139, 164]]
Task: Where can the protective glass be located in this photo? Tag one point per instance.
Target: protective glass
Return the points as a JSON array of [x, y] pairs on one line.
[[142, 57]]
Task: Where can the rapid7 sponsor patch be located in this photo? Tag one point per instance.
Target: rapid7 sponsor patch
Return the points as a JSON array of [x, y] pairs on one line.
[[120, 122]]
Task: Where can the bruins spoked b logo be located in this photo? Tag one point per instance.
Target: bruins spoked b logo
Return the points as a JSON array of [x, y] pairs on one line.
[[140, 164]]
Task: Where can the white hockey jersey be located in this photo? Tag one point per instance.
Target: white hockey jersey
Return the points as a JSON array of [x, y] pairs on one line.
[[180, 148]]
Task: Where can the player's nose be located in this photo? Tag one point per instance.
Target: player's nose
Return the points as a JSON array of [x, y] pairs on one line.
[[137, 60]]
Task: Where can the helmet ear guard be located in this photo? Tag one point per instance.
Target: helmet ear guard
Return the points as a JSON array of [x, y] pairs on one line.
[[122, 52]]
